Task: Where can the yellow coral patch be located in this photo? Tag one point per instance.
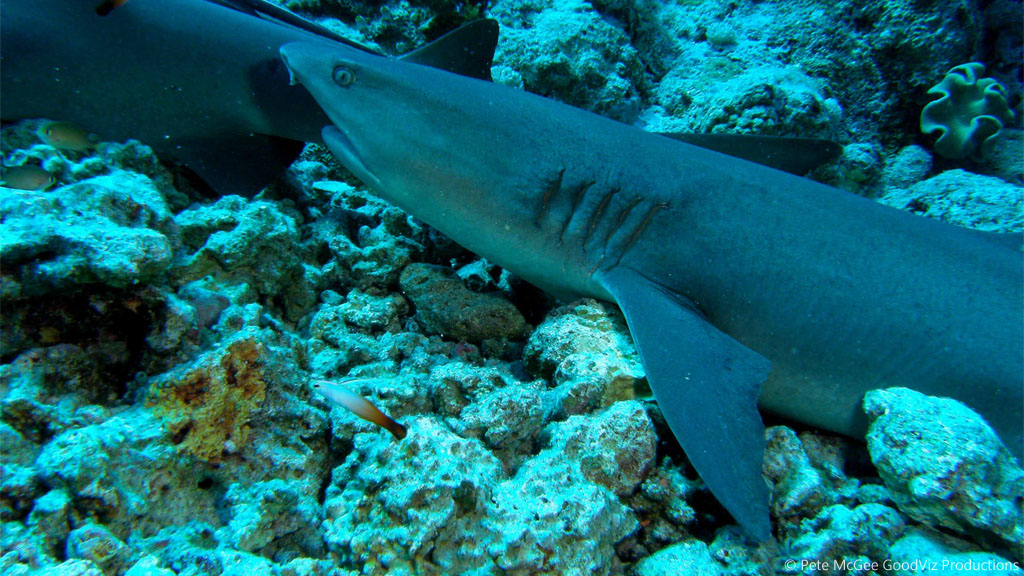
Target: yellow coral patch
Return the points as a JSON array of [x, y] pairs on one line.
[[213, 400]]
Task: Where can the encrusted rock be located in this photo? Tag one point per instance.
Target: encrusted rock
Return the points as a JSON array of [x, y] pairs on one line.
[[445, 306], [114, 229], [944, 466]]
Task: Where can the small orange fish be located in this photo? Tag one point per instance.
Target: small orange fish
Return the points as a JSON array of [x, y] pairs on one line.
[[342, 396], [27, 177], [66, 136], [107, 6]]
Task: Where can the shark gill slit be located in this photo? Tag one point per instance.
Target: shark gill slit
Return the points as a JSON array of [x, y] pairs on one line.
[[578, 193], [623, 214], [622, 217], [553, 186], [639, 229], [595, 217]]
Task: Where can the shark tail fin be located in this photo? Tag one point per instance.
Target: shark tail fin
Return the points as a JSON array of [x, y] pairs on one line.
[[707, 386]]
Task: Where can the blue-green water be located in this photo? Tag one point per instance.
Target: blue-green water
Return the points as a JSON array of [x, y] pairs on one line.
[[161, 332]]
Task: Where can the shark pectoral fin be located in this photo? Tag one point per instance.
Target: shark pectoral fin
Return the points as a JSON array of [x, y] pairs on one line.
[[707, 386], [237, 165]]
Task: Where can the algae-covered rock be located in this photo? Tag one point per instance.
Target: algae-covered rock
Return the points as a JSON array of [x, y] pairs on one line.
[[148, 566], [690, 558], [188, 546], [800, 490], [114, 229], [909, 166], [663, 501], [371, 241], [507, 420], [1006, 160], [95, 543], [454, 386], [737, 555], [43, 388], [844, 535], [24, 549], [334, 348], [392, 506], [266, 516], [20, 486], [123, 470], [614, 448], [924, 552], [548, 519], [944, 466], [211, 402], [763, 100], [964, 199], [254, 242], [433, 492], [51, 517], [567, 50], [586, 349], [559, 513], [446, 307], [74, 567], [241, 405], [583, 327], [374, 313]]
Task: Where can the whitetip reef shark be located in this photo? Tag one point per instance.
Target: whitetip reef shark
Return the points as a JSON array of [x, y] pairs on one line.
[[719, 265], [741, 285], [199, 81]]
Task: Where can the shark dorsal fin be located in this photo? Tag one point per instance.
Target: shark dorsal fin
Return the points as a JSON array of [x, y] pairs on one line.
[[794, 155], [467, 50]]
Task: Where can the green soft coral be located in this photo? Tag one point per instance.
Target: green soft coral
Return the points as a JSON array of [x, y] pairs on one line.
[[969, 113]]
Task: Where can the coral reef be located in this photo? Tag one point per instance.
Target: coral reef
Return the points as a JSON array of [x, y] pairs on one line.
[[965, 199], [159, 347], [113, 229], [944, 466], [923, 551], [568, 51], [444, 306], [208, 406]]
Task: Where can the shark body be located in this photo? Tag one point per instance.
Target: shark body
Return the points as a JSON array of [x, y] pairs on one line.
[[740, 284], [199, 81]]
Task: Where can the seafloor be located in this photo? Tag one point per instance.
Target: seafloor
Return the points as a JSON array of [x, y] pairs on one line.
[[158, 344]]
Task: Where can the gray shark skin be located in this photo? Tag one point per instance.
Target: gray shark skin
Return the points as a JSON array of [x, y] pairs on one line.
[[719, 265], [198, 81]]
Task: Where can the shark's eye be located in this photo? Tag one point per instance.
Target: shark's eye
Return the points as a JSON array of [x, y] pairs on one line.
[[343, 75]]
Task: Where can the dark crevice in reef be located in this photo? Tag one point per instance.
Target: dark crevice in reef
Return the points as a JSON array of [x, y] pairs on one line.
[[98, 337]]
